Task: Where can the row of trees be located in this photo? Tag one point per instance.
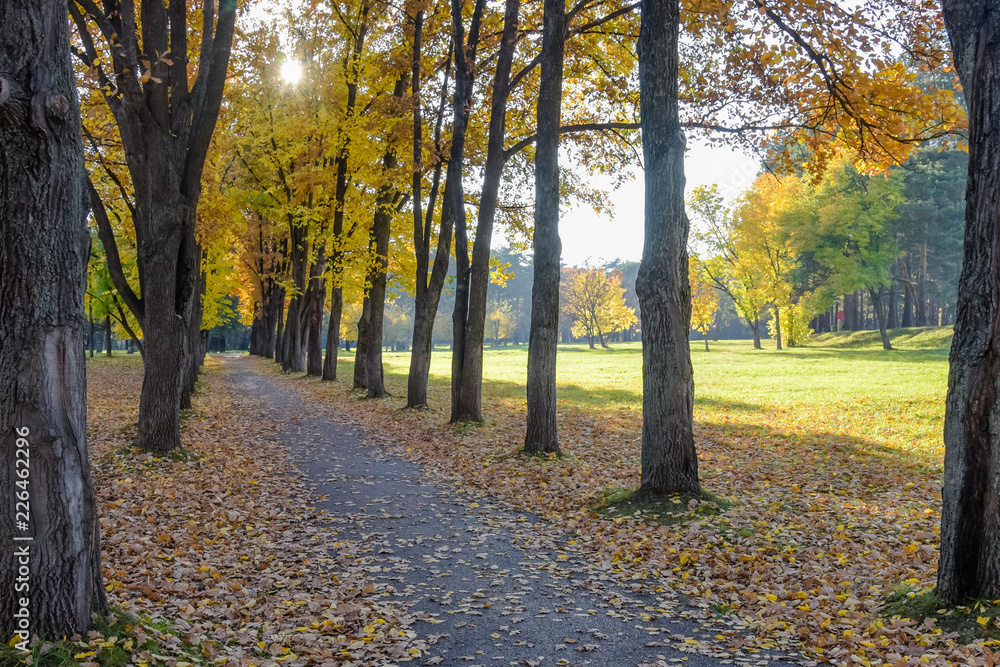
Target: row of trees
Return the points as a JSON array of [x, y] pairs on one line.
[[802, 250], [329, 192]]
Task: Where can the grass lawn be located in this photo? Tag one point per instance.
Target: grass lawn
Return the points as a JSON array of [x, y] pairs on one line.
[[840, 384]]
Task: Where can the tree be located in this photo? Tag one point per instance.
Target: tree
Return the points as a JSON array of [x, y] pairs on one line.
[[500, 318], [734, 271], [594, 299], [704, 299], [970, 514], [165, 119], [429, 277], [542, 433], [49, 520], [669, 460], [853, 234]]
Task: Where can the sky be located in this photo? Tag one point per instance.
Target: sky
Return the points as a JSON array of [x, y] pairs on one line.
[[588, 236]]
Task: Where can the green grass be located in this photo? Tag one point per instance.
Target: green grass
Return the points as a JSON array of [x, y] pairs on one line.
[[839, 384], [977, 620], [620, 502], [114, 645]]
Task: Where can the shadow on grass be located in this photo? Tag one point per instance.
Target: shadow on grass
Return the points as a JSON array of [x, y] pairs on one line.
[[854, 457]]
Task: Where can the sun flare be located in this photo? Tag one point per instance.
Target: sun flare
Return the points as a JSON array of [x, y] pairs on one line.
[[291, 71]]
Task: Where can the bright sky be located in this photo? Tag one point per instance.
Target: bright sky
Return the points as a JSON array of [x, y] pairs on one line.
[[585, 235]]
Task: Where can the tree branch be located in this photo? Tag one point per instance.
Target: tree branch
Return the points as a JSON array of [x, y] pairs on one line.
[[107, 236]]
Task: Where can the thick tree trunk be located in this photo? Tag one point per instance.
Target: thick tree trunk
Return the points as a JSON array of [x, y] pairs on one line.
[[314, 323], [706, 341], [969, 566], [166, 132], [167, 341], [293, 358], [755, 330], [542, 434], [50, 565], [669, 461]]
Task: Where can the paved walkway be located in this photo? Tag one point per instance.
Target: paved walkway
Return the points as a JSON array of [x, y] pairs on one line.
[[492, 586]]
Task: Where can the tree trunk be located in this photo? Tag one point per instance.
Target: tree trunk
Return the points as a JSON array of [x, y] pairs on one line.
[[374, 379], [107, 335], [90, 332], [272, 313], [921, 296], [969, 565], [543, 338], [706, 341], [755, 330], [279, 331], [891, 321], [195, 352], [777, 327], [385, 201], [876, 298], [361, 350], [333, 333], [428, 291], [669, 460], [472, 280], [42, 369], [314, 319]]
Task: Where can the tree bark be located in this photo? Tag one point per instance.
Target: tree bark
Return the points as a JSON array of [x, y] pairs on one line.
[[42, 369], [472, 280], [755, 330], [969, 565], [316, 297], [196, 353], [107, 335], [542, 433], [669, 461], [891, 320]]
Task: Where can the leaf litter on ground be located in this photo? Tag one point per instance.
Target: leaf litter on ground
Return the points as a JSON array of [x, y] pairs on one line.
[[216, 552]]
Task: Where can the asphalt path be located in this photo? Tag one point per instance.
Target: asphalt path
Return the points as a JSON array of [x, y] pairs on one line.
[[490, 586]]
